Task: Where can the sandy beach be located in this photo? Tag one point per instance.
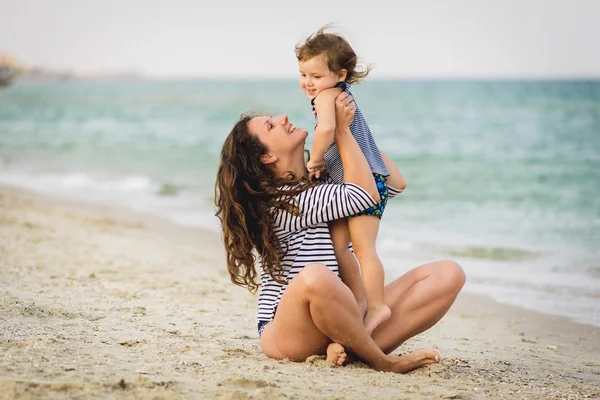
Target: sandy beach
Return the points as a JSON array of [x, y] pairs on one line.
[[101, 302]]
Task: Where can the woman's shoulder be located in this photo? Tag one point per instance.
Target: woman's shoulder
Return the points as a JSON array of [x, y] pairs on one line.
[[304, 189], [324, 188], [327, 188]]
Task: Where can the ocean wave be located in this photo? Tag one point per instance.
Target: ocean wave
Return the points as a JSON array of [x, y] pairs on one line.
[[493, 253], [137, 192], [575, 305], [169, 189], [81, 182]]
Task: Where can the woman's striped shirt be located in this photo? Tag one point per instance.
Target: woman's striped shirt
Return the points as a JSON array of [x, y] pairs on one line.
[[307, 237]]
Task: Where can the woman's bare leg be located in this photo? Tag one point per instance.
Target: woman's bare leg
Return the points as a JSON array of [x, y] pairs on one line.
[[418, 300], [318, 308]]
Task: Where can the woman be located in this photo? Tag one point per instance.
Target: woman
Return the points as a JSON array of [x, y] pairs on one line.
[[271, 215]]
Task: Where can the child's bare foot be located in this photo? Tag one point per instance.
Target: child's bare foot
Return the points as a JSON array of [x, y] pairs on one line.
[[336, 354], [376, 316], [410, 361]]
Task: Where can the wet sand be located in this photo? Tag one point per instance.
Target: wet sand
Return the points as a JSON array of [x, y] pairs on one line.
[[101, 302]]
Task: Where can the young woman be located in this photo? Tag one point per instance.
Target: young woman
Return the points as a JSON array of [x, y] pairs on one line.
[[274, 217]]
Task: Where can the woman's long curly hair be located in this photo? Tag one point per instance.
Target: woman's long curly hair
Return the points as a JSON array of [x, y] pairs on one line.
[[247, 192]]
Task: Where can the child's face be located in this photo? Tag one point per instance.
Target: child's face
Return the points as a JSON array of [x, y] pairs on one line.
[[315, 76]]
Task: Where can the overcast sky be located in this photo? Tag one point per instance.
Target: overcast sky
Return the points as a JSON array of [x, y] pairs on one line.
[[405, 39]]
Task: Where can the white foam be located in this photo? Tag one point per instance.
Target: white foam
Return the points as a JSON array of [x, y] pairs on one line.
[[136, 192], [79, 184]]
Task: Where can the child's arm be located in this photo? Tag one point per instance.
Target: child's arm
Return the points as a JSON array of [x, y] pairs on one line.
[[395, 179], [325, 108]]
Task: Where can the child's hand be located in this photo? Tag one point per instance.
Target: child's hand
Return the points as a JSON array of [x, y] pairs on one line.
[[315, 168]]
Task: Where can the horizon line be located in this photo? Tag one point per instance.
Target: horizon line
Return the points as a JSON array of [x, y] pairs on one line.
[[225, 78]]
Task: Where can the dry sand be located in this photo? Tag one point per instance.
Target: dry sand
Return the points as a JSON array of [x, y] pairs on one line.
[[99, 302]]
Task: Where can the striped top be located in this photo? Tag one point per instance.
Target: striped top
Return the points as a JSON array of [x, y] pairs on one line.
[[307, 237], [361, 132]]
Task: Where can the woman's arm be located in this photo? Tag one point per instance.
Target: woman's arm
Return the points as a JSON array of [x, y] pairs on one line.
[[356, 168], [324, 203]]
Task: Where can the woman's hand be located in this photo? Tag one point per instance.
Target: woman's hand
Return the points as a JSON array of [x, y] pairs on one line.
[[344, 110], [316, 168]]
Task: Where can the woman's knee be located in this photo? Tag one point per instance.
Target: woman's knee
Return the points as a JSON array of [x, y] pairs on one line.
[[453, 274], [317, 278]]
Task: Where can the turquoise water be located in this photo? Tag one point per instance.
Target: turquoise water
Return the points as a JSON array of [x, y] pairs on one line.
[[502, 176]]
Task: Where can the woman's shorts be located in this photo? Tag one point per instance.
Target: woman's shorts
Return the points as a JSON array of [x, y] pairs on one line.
[[261, 327]]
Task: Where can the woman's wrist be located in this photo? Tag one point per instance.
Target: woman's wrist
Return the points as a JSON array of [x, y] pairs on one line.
[[342, 130]]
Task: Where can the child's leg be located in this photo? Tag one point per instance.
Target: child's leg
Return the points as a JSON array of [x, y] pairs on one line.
[[395, 179], [350, 274], [347, 263], [363, 231]]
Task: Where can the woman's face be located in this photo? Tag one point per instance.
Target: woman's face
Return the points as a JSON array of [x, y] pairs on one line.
[[281, 138]]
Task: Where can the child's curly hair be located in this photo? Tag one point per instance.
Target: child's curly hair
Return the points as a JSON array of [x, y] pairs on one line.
[[338, 51]]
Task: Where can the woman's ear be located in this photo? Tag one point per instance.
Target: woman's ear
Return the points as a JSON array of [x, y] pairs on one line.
[[342, 75], [268, 159]]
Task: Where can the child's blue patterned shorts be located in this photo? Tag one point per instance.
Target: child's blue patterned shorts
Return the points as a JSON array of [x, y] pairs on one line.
[[377, 209]]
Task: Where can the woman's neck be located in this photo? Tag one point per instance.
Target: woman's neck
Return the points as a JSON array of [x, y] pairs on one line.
[[293, 164]]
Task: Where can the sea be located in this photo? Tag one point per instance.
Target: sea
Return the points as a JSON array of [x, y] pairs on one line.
[[503, 176]]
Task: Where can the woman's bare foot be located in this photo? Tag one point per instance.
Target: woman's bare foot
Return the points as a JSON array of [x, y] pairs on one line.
[[336, 354], [376, 316], [410, 361]]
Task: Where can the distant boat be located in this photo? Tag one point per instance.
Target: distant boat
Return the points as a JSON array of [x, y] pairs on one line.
[[6, 76], [9, 69]]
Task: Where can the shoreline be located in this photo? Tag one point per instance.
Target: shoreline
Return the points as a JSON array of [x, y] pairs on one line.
[[158, 221], [99, 300]]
